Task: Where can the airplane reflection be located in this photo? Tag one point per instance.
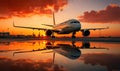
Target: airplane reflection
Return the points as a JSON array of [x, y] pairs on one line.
[[70, 51], [10, 50]]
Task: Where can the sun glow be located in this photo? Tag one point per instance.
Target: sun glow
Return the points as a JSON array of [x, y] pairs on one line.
[[35, 13]]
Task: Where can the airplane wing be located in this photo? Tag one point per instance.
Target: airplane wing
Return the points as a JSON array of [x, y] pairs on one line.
[[35, 28], [94, 29]]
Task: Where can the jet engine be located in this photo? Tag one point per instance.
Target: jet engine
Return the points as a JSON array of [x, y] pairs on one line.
[[86, 33], [49, 32]]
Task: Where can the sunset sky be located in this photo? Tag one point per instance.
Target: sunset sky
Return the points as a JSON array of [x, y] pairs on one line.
[[33, 13]]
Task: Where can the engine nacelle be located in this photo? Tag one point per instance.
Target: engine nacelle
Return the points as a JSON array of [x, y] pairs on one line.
[[49, 32], [86, 33]]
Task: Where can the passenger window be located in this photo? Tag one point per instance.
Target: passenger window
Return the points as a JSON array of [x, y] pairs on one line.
[[78, 22]]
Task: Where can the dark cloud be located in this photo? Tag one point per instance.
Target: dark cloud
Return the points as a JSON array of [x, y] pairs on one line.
[[110, 14], [111, 61], [7, 64], [24, 8]]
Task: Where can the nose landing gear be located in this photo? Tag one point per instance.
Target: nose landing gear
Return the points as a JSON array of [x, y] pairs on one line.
[[53, 35], [73, 35]]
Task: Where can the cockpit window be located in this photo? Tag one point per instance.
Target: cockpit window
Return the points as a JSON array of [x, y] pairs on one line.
[[77, 21], [74, 22], [71, 22]]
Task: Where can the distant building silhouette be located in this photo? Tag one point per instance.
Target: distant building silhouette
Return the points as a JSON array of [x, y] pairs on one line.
[[4, 34]]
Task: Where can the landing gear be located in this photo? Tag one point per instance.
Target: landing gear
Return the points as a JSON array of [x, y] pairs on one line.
[[73, 43], [73, 35], [53, 35]]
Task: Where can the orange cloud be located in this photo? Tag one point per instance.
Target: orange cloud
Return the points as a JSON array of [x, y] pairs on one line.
[[25, 8], [7, 64], [110, 14]]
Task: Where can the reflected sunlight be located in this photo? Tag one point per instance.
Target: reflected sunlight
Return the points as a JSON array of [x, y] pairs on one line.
[[62, 53]]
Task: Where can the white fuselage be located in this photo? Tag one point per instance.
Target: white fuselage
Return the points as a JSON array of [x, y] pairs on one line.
[[68, 26]]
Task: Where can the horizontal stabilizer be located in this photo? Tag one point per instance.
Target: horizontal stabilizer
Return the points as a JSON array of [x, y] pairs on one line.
[[48, 25]]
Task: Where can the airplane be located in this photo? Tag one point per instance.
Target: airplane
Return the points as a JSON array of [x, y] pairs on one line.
[[66, 27]]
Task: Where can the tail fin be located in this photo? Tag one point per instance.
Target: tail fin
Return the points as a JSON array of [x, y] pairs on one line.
[[54, 19], [53, 22]]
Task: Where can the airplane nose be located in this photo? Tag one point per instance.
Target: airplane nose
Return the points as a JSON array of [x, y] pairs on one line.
[[78, 26]]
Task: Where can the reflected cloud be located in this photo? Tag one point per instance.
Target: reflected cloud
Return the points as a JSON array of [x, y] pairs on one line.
[[46, 55], [7, 64], [111, 61]]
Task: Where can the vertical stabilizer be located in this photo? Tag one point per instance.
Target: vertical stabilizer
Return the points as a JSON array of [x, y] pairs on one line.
[[54, 19]]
